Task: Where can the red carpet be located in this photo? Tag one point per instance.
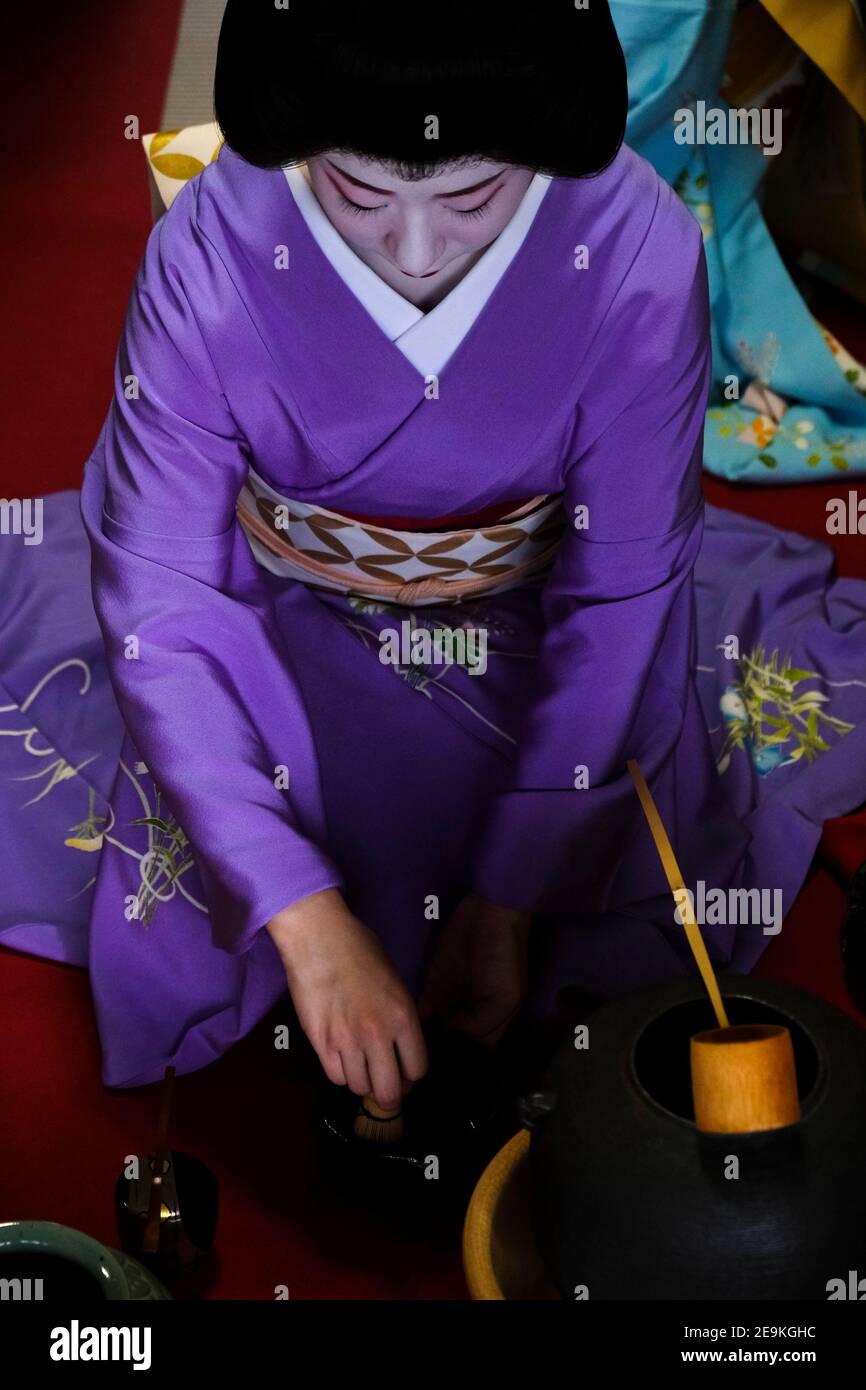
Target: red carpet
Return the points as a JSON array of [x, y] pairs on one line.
[[71, 241]]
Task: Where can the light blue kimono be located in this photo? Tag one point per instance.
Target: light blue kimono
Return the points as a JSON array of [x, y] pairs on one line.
[[762, 328]]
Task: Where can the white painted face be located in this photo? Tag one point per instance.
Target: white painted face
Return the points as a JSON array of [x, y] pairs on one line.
[[421, 237]]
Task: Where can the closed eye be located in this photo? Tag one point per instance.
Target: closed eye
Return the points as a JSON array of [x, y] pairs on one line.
[[481, 210], [358, 208]]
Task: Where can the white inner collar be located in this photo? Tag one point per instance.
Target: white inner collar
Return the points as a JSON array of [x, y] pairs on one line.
[[426, 339]]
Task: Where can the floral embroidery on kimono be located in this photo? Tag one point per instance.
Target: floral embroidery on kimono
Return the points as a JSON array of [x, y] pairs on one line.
[[758, 313], [768, 718]]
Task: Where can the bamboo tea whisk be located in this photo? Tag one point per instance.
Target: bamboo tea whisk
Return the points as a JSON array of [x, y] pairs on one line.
[[743, 1077], [382, 1126]]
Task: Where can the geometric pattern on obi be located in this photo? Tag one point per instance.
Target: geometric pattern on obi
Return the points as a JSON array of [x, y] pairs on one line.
[[300, 540]]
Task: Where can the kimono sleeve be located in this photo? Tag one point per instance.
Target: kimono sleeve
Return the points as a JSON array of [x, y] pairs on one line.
[[615, 662], [202, 676]]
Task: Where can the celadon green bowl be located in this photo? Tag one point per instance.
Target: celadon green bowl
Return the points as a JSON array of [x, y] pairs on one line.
[[39, 1245]]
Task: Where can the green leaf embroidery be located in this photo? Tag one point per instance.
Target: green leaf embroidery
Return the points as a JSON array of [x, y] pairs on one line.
[[776, 716]]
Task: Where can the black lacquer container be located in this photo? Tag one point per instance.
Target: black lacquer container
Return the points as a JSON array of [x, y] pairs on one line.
[[630, 1201]]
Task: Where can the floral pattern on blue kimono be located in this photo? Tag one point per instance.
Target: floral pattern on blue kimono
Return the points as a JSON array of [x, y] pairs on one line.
[[762, 330]]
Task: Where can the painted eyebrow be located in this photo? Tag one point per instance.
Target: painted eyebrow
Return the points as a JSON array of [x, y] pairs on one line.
[[389, 193]]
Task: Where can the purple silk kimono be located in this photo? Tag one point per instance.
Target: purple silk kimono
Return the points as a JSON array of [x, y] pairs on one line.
[[216, 674]]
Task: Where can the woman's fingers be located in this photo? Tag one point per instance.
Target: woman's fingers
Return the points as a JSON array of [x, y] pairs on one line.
[[353, 1007], [386, 1081], [399, 1060], [332, 1066], [356, 1071]]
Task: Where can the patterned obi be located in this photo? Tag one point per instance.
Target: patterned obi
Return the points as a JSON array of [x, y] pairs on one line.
[[330, 550]]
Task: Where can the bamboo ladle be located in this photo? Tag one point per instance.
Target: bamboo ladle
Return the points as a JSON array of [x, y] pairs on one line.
[[743, 1076]]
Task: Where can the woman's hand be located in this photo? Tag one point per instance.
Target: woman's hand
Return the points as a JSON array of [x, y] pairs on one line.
[[351, 1003], [477, 979]]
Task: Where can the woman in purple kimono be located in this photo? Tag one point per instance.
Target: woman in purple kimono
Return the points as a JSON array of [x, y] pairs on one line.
[[399, 552]]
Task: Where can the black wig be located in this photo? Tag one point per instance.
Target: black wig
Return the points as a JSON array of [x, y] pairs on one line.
[[419, 87]]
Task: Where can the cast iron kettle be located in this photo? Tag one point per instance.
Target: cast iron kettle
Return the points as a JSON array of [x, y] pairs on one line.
[[630, 1201]]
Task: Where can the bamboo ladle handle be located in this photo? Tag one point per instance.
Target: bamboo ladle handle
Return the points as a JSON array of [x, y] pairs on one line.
[[681, 896], [744, 1078]]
